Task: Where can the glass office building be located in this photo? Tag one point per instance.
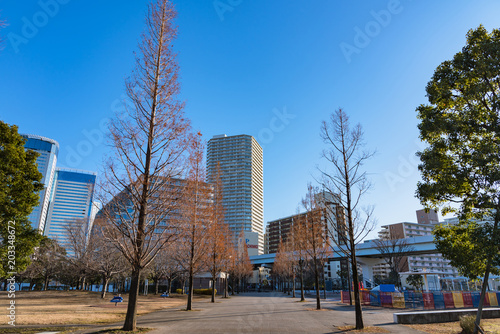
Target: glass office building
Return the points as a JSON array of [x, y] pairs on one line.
[[48, 150], [71, 204], [242, 173]]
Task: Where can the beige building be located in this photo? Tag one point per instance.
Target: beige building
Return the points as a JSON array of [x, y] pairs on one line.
[[419, 263], [242, 173]]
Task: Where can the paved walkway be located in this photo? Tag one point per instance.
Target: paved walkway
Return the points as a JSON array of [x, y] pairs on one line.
[[264, 313]]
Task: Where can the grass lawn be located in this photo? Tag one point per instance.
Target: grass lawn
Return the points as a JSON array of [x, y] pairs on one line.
[[80, 307], [491, 326]]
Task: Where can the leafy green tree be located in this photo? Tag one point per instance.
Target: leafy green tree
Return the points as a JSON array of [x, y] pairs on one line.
[[467, 245], [461, 166], [416, 281], [19, 187]]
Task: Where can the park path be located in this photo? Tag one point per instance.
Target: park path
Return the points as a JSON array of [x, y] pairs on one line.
[[265, 313]]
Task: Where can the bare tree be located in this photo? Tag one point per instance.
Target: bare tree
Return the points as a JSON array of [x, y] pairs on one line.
[[148, 141], [106, 260], [157, 270], [195, 214], [79, 254], [345, 155], [283, 266], [219, 236], [297, 244], [241, 267], [395, 253], [170, 266], [315, 236]]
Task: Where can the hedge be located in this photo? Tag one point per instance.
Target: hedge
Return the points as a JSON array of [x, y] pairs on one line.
[[199, 291]]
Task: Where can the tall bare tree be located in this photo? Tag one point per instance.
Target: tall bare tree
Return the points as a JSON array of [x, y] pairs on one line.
[[297, 244], [148, 140], [195, 217], [345, 155], [316, 235], [219, 236], [282, 266], [241, 267]]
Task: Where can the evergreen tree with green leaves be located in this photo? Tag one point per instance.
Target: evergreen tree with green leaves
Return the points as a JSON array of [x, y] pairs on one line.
[[461, 166], [19, 194]]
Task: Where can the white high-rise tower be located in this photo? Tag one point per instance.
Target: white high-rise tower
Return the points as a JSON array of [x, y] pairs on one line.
[[242, 173]]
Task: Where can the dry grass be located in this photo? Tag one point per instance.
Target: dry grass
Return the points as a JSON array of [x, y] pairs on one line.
[[120, 331], [367, 330], [79, 307], [491, 326], [60, 330]]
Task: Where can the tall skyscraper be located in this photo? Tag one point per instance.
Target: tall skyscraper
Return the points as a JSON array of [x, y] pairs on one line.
[[46, 161], [242, 173], [70, 204]]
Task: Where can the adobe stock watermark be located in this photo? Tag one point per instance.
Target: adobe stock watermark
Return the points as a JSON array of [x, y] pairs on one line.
[[277, 123], [93, 137], [31, 26], [11, 265], [407, 167], [364, 35], [223, 6]]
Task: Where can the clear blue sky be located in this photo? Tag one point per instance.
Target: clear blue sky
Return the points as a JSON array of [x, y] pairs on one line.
[[62, 71]]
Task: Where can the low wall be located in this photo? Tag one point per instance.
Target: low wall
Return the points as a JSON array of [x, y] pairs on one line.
[[428, 317], [427, 300]]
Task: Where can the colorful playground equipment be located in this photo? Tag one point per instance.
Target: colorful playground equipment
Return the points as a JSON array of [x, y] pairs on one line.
[[427, 300]]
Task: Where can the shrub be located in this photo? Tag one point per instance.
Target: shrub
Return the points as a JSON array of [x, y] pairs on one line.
[[203, 291], [467, 323], [179, 291]]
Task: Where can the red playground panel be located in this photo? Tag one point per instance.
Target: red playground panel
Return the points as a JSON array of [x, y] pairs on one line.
[[467, 299], [448, 300], [428, 298]]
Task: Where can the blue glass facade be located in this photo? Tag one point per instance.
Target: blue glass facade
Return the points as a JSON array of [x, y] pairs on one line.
[[70, 205], [48, 149]]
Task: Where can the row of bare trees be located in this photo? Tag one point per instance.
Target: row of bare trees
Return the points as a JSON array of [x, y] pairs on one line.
[[92, 259]]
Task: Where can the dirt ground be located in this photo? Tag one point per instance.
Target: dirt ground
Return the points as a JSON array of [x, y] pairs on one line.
[[491, 326], [80, 307]]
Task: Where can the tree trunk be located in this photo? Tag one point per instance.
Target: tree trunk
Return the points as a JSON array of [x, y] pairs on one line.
[[357, 301], [213, 289], [225, 287], [324, 286], [157, 283], [189, 306], [316, 278], [46, 283], [105, 282], [293, 286], [302, 297], [131, 317], [483, 295]]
